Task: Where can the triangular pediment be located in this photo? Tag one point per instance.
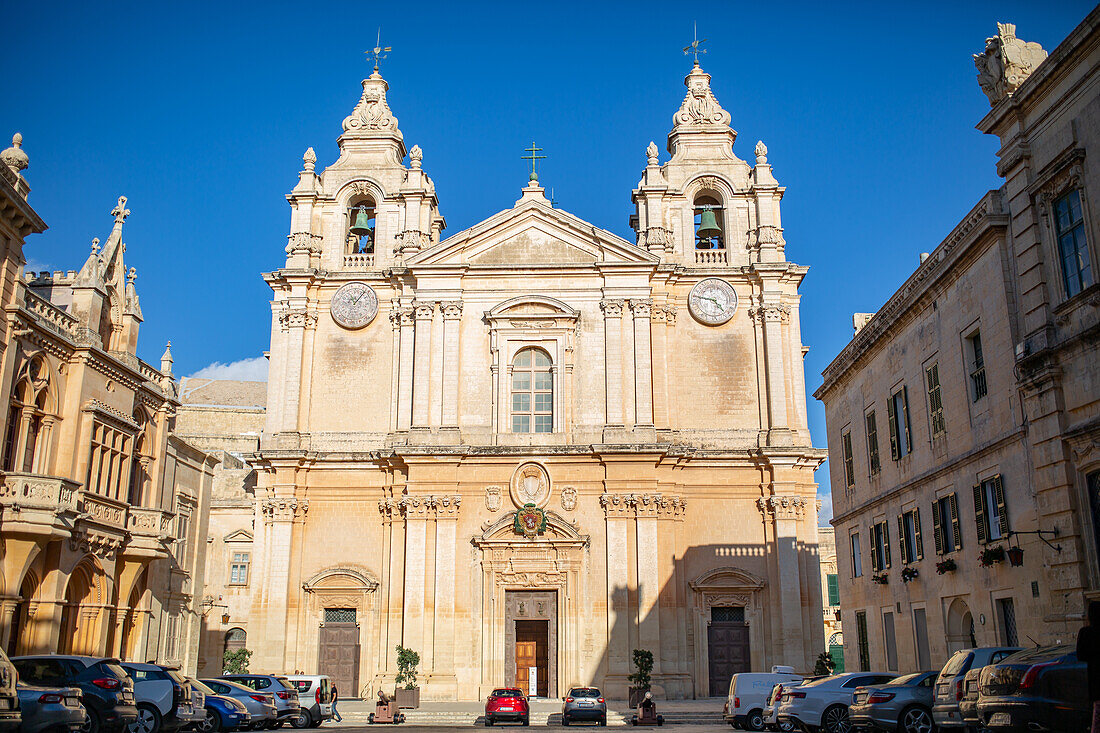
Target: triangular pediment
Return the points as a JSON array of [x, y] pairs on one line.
[[240, 535], [533, 233]]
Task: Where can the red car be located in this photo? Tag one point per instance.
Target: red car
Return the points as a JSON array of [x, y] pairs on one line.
[[507, 703]]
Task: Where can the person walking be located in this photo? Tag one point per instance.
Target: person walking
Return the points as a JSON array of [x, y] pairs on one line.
[[336, 696], [1088, 651]]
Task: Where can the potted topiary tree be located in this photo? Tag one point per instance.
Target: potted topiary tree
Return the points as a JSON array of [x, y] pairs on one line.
[[643, 665], [407, 693]]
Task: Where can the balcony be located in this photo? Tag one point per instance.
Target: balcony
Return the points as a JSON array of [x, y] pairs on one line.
[[38, 505], [110, 512], [359, 261], [710, 257]]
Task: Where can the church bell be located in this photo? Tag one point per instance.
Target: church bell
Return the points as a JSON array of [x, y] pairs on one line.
[[708, 225], [361, 227]]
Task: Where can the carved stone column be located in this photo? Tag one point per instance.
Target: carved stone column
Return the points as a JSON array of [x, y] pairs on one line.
[[665, 318], [643, 362], [295, 321], [771, 317], [405, 322], [613, 360], [786, 512], [452, 321], [619, 516], [442, 675], [8, 607], [422, 357]]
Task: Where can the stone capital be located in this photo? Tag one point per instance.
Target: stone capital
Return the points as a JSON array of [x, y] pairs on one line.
[[612, 307], [297, 318], [641, 307], [451, 309], [424, 310], [782, 507], [284, 509], [643, 505]]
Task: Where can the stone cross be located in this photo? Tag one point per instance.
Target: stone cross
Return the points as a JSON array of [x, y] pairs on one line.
[[120, 212], [533, 157]]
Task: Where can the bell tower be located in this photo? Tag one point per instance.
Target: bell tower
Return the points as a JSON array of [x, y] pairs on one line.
[[706, 207]]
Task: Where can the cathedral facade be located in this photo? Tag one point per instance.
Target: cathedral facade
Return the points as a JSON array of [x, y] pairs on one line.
[[529, 448]]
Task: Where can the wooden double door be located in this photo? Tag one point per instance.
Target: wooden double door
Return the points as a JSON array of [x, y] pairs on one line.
[[728, 646], [533, 653], [339, 657]]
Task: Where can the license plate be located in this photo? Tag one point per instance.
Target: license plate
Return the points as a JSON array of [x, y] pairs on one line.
[[1000, 719], [506, 709], [4, 703], [586, 703], [72, 702]]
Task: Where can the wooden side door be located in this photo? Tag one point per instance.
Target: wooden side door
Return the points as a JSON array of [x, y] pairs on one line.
[[526, 656], [339, 657], [728, 647]]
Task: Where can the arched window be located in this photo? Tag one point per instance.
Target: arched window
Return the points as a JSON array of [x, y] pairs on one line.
[[140, 461], [235, 639], [709, 223], [25, 442], [360, 237], [532, 392]]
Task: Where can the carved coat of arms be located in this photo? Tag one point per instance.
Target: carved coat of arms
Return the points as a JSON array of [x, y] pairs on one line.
[[530, 485], [529, 521]]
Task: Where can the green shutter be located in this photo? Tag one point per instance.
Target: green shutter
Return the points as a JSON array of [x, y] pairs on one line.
[[955, 529], [834, 589], [891, 417], [937, 527], [979, 513], [886, 541], [905, 419], [901, 540], [916, 533], [874, 549], [999, 496]]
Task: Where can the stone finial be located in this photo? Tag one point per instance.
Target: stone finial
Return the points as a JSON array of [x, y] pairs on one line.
[[131, 276], [14, 157], [416, 155], [166, 360], [859, 320], [309, 160], [1006, 63], [95, 246], [120, 212], [761, 152], [652, 153], [700, 107], [372, 114]]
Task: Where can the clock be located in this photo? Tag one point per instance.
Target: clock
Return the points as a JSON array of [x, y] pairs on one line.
[[354, 305], [712, 301]]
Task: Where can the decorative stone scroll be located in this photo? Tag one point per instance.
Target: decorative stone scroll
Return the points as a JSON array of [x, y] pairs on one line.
[[372, 113], [642, 505], [100, 544]]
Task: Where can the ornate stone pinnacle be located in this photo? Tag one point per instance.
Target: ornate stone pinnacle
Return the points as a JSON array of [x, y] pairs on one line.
[[309, 160], [131, 275], [416, 155], [652, 153], [120, 212], [761, 152], [95, 245], [14, 157]]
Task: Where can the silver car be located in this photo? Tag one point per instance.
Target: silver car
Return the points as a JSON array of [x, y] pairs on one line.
[[903, 704], [286, 695], [584, 703], [948, 691], [50, 708], [260, 705]]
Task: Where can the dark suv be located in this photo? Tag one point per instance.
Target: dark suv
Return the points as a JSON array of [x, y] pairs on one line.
[[106, 689], [1035, 690]]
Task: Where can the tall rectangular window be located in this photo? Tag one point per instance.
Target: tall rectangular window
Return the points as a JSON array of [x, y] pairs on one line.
[[978, 386], [172, 637], [1073, 247], [849, 464], [861, 641], [238, 568], [1006, 610], [935, 401], [832, 582], [880, 546], [897, 411], [872, 443], [183, 531], [912, 549], [920, 634], [857, 558], [990, 511], [945, 524], [891, 641]]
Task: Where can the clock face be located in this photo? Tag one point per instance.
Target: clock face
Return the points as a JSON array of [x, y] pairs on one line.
[[354, 305], [712, 301]]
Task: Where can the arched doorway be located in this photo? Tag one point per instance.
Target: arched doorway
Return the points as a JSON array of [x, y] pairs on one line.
[[135, 618], [22, 634], [80, 611], [235, 640], [960, 627]]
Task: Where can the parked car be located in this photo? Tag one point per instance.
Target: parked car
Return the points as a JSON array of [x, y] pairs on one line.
[[163, 699], [823, 703], [260, 705], [948, 690], [748, 694], [903, 704], [771, 710], [286, 696], [106, 691], [968, 706], [1038, 689], [50, 709], [507, 703], [314, 699], [583, 703], [10, 717], [223, 713]]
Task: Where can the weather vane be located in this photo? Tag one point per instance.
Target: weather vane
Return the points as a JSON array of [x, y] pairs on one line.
[[694, 49], [378, 52], [533, 157]]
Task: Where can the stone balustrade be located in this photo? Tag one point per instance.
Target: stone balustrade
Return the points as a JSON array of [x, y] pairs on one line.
[[710, 257], [146, 521], [48, 313], [359, 261], [111, 512], [32, 491]]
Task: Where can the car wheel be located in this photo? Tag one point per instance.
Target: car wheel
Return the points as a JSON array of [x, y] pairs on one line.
[[786, 726], [754, 720], [212, 723], [301, 720], [835, 720], [91, 721], [565, 721], [916, 720], [603, 720], [527, 721], [148, 720]]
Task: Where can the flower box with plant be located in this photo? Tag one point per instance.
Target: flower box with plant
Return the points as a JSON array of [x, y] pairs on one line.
[[643, 664], [909, 574], [946, 566], [990, 556], [881, 579], [407, 694]]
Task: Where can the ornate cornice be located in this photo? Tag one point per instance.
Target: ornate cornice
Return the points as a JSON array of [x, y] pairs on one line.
[[643, 505], [782, 507], [297, 318]]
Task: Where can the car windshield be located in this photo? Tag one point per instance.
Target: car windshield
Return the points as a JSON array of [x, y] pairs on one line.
[[905, 679], [584, 692], [286, 684], [507, 693], [1038, 654], [957, 663], [176, 676], [115, 669], [203, 687], [302, 685]]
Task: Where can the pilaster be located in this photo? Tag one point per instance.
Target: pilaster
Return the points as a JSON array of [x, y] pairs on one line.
[[452, 320], [641, 310], [422, 333], [613, 360]]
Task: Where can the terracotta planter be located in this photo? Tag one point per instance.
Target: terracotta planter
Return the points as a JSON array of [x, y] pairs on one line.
[[407, 699]]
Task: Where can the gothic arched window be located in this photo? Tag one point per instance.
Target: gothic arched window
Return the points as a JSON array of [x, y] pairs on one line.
[[361, 231], [532, 392], [709, 223], [26, 440]]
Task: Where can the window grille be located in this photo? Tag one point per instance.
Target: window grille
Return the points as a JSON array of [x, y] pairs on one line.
[[977, 367], [861, 641], [339, 615], [727, 614], [1006, 608], [849, 464]]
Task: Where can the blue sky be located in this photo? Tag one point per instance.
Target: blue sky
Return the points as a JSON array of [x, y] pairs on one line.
[[200, 113]]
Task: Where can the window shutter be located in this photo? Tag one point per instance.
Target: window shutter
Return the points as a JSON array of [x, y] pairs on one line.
[[901, 540], [834, 589], [905, 418], [937, 527], [999, 496], [919, 552], [956, 531], [979, 513], [886, 541], [874, 549], [892, 418]]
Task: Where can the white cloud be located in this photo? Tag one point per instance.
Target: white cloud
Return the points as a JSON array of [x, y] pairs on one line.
[[34, 265], [826, 514], [245, 370]]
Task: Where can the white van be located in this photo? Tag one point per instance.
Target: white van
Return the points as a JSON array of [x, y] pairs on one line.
[[749, 694]]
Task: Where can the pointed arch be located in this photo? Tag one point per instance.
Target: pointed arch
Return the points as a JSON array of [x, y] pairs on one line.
[[31, 415]]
